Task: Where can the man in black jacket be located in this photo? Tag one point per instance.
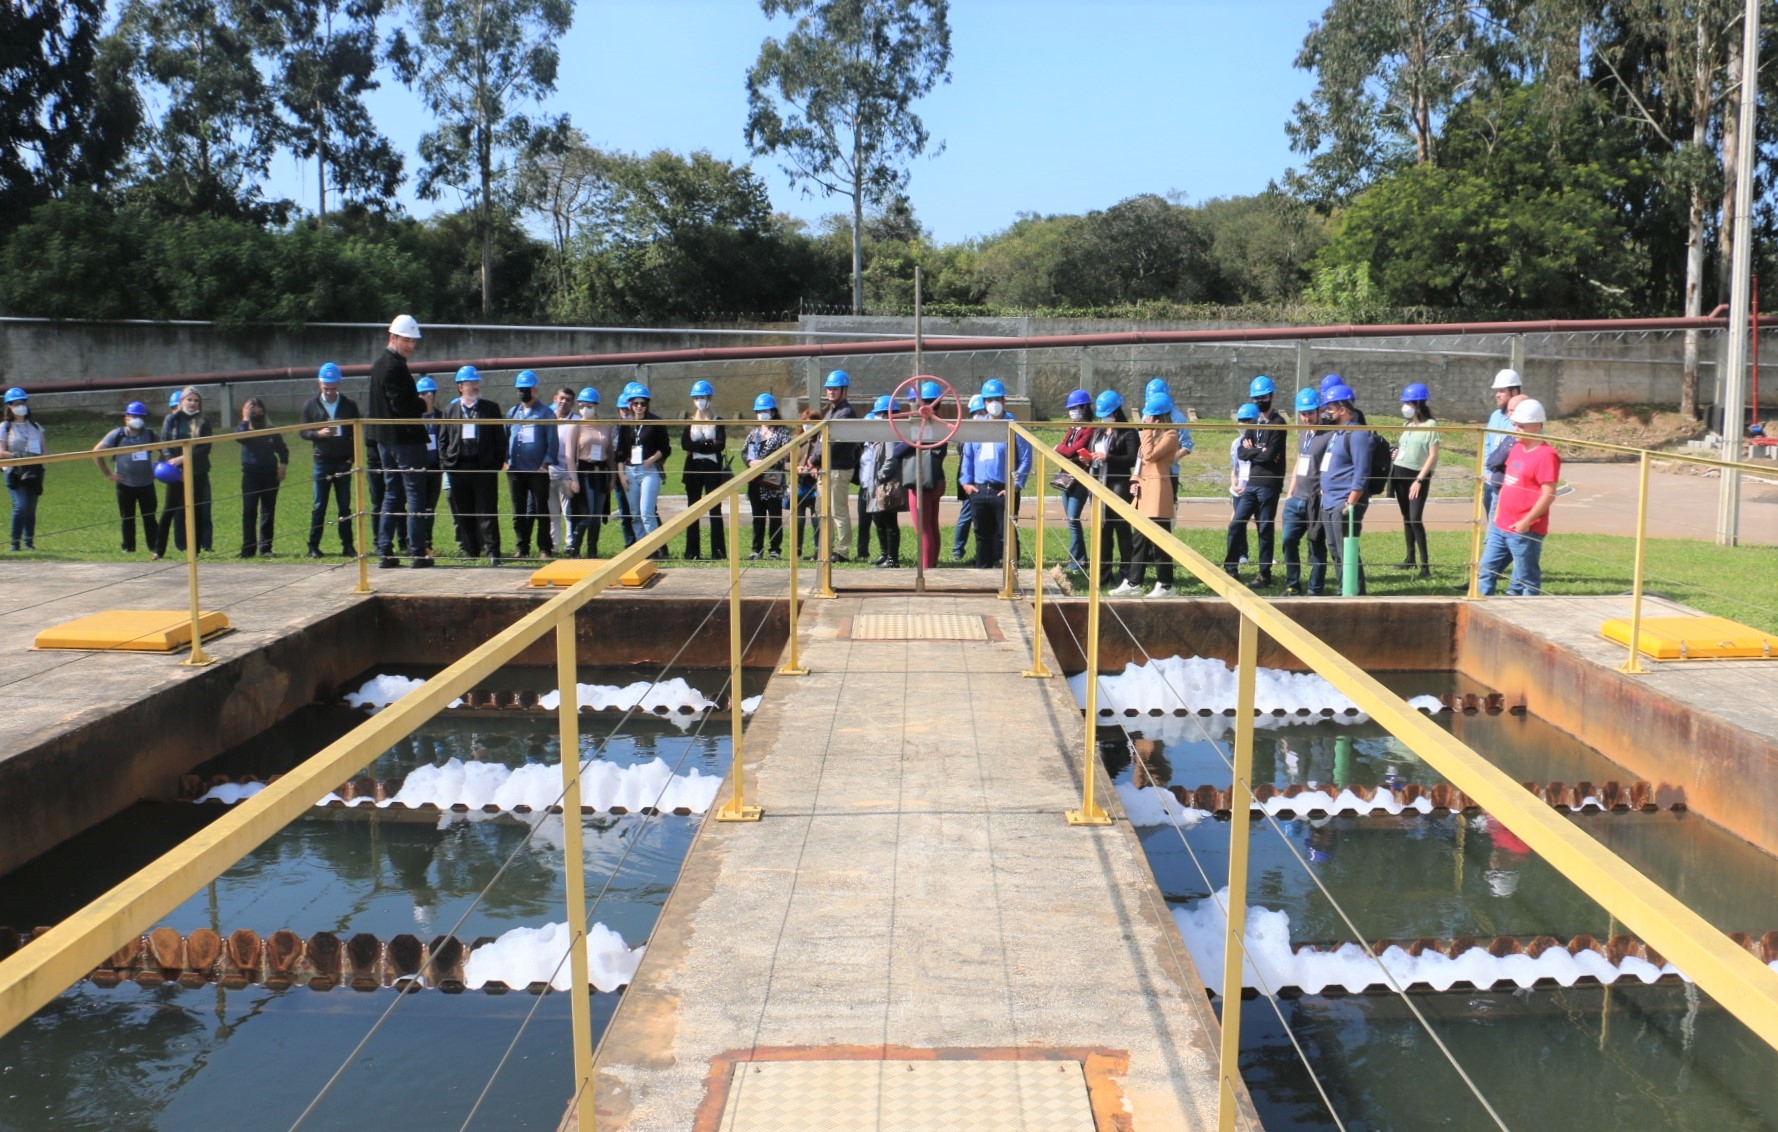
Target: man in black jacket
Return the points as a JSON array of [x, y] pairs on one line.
[[844, 453], [471, 454], [402, 446], [333, 457], [1263, 450]]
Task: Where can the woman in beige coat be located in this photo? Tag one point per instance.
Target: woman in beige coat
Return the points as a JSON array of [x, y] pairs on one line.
[[1153, 486]]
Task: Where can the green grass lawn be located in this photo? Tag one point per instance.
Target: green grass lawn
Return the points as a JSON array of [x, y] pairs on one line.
[[77, 521]]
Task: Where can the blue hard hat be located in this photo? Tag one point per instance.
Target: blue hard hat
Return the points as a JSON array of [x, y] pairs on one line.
[[883, 404], [1261, 387], [526, 380], [764, 403], [168, 473], [1307, 400], [931, 391], [993, 387], [15, 394], [1157, 405], [425, 385], [1156, 385], [838, 379], [636, 391], [1247, 412], [1079, 398], [702, 389], [468, 373], [976, 403], [1330, 381], [623, 396], [1333, 393], [1108, 403], [135, 409], [1416, 392], [173, 399], [588, 396], [329, 374]]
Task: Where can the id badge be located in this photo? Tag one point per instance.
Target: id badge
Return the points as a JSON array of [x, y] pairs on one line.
[[527, 434], [139, 456], [468, 432], [1326, 459], [432, 444], [1302, 464], [635, 454], [596, 452]]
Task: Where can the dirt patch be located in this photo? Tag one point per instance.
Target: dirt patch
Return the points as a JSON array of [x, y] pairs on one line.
[[1634, 426]]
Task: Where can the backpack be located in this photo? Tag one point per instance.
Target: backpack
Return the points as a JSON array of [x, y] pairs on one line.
[[1376, 481]]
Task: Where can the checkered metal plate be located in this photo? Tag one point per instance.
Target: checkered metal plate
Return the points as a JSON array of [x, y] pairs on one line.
[[907, 1096], [918, 627]]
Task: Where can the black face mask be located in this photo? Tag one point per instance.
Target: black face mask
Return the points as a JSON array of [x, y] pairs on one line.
[[525, 395], [1327, 416], [1264, 404]]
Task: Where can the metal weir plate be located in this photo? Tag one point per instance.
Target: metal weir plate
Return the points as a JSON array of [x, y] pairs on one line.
[[907, 1096], [918, 627]]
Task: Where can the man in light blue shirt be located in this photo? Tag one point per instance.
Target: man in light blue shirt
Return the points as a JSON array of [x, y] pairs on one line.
[[1507, 385], [985, 478], [530, 450]]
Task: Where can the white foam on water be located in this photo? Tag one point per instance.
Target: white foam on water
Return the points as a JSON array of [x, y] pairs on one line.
[[379, 692], [1270, 959], [1431, 705], [1195, 683], [1152, 805], [751, 704], [524, 956], [671, 694], [231, 792], [603, 786]]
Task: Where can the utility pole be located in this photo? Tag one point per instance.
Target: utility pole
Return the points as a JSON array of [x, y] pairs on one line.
[[1734, 377]]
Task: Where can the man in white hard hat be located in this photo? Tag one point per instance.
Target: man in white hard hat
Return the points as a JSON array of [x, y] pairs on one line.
[[1507, 385], [1522, 513], [402, 446]]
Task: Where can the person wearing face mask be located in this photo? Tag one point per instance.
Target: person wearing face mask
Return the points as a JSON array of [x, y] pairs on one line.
[[134, 477], [978, 411], [1262, 450], [1154, 498], [1077, 445], [184, 423], [264, 460], [766, 494], [1235, 548], [987, 480], [1345, 467], [705, 470], [530, 449], [589, 445], [1410, 477], [1113, 457], [561, 492], [1521, 518], [471, 454], [20, 436], [333, 457], [880, 491], [1159, 385], [642, 450], [1302, 500], [428, 392]]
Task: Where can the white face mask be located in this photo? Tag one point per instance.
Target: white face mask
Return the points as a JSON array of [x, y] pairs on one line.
[[586, 412], [1407, 412], [762, 416], [133, 423], [700, 403], [21, 410], [1077, 414], [996, 409]]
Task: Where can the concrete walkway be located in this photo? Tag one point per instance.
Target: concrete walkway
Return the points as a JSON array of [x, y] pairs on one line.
[[912, 888]]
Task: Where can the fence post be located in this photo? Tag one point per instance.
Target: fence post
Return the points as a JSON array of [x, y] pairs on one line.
[[1090, 812], [1633, 663], [737, 809], [574, 856], [198, 656], [1234, 952], [790, 667], [1009, 531], [360, 505], [1478, 514], [824, 528], [1037, 670]]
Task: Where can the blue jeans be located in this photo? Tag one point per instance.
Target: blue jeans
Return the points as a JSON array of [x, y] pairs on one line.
[[644, 488], [404, 497], [334, 477], [24, 515], [965, 521], [1298, 524], [1490, 492], [1259, 503], [1075, 504], [1525, 552]]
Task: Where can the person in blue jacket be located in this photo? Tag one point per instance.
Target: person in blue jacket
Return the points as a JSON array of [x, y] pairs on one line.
[[530, 449], [427, 388], [264, 460], [965, 503], [988, 480], [1344, 468]]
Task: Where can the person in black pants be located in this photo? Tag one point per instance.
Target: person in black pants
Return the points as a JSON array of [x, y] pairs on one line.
[[333, 458], [1262, 450], [134, 476], [428, 391], [706, 469], [184, 423], [264, 460], [766, 495], [472, 454], [402, 447], [1113, 457]]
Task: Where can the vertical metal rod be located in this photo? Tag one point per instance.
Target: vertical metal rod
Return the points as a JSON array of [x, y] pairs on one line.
[[1037, 670], [919, 494], [1479, 515], [574, 858], [188, 471], [1633, 663], [737, 809], [790, 667], [1240, 803], [1734, 373], [360, 505], [1090, 812], [1009, 532], [824, 569]]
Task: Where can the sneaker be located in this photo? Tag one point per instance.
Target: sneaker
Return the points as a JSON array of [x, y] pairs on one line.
[[1124, 589], [423, 563], [1293, 591], [1161, 591], [388, 562], [1263, 580], [314, 552]]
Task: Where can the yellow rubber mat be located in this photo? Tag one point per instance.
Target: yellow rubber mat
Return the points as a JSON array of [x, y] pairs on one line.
[[1694, 638], [131, 630], [908, 1096], [567, 571]]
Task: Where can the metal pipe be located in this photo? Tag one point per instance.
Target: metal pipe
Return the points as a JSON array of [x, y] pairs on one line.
[[1633, 663], [737, 808], [1037, 671], [1479, 516], [188, 470], [360, 505], [824, 529], [1234, 952], [573, 852], [1090, 812], [1734, 375]]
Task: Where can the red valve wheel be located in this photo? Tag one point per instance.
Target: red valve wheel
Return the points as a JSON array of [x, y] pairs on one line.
[[926, 412]]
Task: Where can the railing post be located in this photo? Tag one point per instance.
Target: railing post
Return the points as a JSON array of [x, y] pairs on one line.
[[1037, 671], [1633, 663], [1234, 953], [360, 504], [825, 528], [198, 656], [737, 809], [790, 667], [1090, 812], [574, 858], [1009, 531], [1478, 515]]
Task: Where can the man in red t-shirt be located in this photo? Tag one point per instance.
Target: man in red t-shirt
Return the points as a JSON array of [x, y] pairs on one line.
[[1522, 513]]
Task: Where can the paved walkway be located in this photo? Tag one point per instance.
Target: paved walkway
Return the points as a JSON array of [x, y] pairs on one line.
[[913, 887]]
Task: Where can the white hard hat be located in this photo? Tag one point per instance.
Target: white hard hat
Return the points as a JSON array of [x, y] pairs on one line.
[[1508, 379], [404, 326], [1529, 411]]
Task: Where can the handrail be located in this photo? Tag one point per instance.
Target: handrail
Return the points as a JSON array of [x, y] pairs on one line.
[[58, 959], [1738, 981]]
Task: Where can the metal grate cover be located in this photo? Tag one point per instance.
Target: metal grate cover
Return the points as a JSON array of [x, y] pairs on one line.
[[918, 627], [907, 1096]]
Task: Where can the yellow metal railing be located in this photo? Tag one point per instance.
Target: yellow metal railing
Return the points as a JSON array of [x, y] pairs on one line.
[[1737, 980], [64, 955]]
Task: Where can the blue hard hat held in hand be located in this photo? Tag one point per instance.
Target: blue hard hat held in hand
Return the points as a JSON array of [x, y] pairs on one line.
[[702, 389], [329, 373], [1262, 387], [931, 391], [1416, 392], [468, 373], [993, 387], [1079, 399], [588, 396], [764, 403], [838, 379], [168, 473], [425, 385], [1107, 403], [1307, 400], [1247, 412], [1330, 381], [1158, 405], [526, 380], [1336, 393]]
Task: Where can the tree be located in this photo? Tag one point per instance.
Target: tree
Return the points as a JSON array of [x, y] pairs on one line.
[[565, 187], [835, 98], [326, 57], [474, 62], [1146, 248], [1261, 245], [68, 109]]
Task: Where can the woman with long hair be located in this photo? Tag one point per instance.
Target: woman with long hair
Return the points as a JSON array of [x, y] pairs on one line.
[[187, 421], [765, 495], [705, 469], [263, 463], [1410, 479]]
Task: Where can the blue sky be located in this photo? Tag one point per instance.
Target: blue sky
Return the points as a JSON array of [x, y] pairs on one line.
[[1052, 107]]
